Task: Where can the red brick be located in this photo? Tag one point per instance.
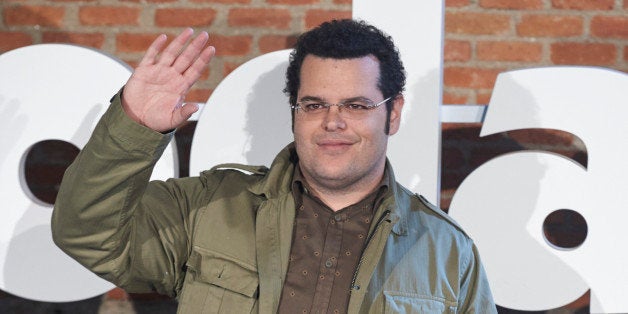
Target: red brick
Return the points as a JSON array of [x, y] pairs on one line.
[[542, 137], [509, 51], [450, 181], [581, 302], [447, 194], [34, 15], [133, 63], [483, 98], [583, 4], [342, 1], [14, 40], [456, 3], [106, 15], [229, 67], [625, 53], [295, 2], [117, 294], [457, 50], [314, 18], [231, 45], [223, 1], [84, 39], [479, 156], [625, 4], [205, 74], [176, 17], [450, 98], [512, 4], [276, 42], [583, 53], [476, 23], [460, 131], [268, 18], [452, 158], [572, 153], [128, 42], [609, 26], [198, 95], [445, 202], [470, 77], [550, 26]]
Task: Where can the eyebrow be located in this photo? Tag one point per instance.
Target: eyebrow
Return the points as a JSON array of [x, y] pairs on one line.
[[343, 101]]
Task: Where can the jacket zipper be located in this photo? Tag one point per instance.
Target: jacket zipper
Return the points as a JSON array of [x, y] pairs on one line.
[[366, 246]]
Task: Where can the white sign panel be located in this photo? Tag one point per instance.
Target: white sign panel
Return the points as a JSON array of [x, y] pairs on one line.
[[504, 202], [49, 92]]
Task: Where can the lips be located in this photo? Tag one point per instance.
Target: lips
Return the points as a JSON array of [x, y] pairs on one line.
[[334, 146], [333, 142]]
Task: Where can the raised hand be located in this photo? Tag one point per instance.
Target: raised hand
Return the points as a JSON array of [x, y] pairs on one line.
[[154, 94]]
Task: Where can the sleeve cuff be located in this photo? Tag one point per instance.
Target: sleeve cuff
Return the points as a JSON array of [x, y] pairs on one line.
[[132, 134]]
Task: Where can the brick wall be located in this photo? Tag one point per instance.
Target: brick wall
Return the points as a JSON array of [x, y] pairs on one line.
[[482, 39]]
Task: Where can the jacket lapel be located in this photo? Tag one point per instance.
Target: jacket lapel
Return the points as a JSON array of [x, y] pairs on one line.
[[273, 235]]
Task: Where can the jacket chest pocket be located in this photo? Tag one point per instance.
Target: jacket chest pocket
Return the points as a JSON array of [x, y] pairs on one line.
[[215, 284], [398, 302]]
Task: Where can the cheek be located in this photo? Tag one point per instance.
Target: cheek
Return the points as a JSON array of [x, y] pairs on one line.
[[300, 137], [303, 129], [374, 128]]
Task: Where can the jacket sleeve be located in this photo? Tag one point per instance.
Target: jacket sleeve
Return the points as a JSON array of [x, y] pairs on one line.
[[109, 217], [475, 293]]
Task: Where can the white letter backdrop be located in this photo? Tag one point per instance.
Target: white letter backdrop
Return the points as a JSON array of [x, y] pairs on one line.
[[60, 91]]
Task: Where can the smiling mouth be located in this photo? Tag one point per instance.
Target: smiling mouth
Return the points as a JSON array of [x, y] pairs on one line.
[[334, 146], [334, 143]]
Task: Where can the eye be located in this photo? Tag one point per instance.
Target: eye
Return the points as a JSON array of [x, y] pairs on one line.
[[356, 106], [313, 106]]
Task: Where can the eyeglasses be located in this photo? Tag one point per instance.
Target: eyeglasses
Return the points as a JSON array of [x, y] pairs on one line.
[[353, 109]]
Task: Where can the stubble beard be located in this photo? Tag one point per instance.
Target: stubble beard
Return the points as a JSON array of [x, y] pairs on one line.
[[348, 179]]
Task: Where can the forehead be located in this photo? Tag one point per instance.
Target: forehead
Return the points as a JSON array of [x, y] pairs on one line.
[[328, 77]]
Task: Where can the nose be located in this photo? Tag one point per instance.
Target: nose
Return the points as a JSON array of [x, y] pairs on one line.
[[333, 121]]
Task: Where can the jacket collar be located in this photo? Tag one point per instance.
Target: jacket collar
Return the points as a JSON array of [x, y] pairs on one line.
[[397, 202], [278, 179]]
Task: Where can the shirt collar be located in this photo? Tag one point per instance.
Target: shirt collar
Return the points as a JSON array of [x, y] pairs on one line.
[[300, 186]]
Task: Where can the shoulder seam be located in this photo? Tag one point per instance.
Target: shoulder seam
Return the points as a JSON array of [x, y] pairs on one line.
[[441, 213]]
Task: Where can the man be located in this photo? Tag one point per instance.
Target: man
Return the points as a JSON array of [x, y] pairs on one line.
[[325, 229]]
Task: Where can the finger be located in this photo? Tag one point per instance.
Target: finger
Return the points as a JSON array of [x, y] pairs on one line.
[[173, 49], [184, 113], [194, 72], [154, 49], [191, 52]]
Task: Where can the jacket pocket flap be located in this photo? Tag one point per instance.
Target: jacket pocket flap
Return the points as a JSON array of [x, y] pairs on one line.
[[220, 271]]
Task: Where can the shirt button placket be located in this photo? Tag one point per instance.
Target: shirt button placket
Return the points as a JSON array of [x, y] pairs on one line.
[[329, 263]]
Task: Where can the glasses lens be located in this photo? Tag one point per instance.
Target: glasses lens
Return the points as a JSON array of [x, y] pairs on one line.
[[349, 110]]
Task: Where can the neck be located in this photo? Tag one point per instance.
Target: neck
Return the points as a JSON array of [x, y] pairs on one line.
[[338, 195]]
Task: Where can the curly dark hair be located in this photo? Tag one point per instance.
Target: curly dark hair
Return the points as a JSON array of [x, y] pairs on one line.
[[348, 39]]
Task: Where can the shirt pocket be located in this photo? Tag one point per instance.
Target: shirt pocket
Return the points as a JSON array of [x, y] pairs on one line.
[[217, 284], [400, 302]]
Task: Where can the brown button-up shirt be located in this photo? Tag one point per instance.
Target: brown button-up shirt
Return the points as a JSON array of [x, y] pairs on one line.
[[326, 250]]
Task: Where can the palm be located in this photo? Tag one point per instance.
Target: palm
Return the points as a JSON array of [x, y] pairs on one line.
[[154, 94]]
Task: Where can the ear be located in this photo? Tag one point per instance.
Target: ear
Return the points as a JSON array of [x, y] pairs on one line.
[[395, 114]]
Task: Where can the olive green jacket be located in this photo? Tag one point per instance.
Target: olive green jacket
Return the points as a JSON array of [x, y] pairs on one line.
[[220, 242]]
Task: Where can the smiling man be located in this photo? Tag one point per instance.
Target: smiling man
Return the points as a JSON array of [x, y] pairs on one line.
[[326, 229]]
